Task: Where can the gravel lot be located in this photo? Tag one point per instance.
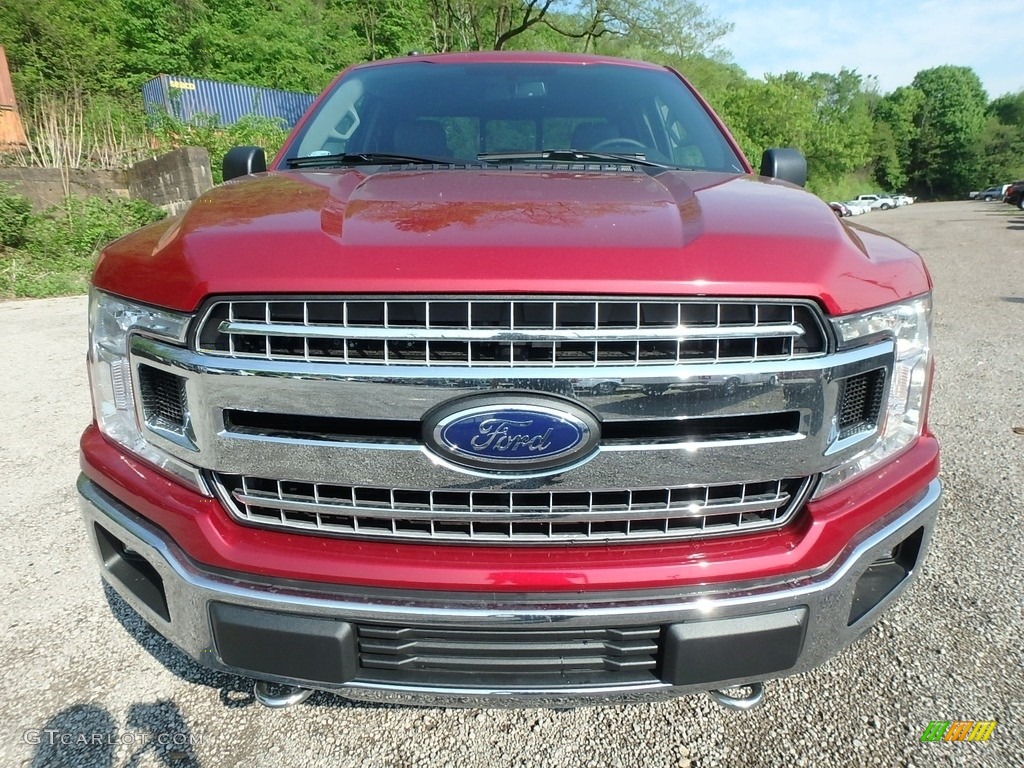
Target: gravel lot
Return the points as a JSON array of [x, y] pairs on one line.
[[86, 684]]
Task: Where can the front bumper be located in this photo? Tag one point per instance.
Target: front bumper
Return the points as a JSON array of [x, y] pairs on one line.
[[313, 635]]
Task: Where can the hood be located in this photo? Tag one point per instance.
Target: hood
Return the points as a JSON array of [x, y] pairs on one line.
[[514, 231]]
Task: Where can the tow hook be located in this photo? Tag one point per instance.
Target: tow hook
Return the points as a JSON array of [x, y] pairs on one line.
[[279, 696], [751, 701]]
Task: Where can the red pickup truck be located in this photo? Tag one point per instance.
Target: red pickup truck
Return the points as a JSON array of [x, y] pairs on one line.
[[509, 381]]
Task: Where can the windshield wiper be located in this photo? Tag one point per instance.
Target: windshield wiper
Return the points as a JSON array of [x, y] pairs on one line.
[[360, 158], [570, 156]]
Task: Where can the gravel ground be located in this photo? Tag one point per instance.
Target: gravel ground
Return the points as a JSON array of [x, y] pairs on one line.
[[86, 684]]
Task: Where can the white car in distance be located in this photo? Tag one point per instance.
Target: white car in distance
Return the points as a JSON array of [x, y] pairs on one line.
[[876, 202]]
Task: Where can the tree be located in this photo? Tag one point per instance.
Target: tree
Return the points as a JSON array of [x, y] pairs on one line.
[[1000, 153], [895, 135], [390, 27], [680, 28], [950, 121], [1008, 109], [825, 116], [778, 111], [888, 169], [842, 141]]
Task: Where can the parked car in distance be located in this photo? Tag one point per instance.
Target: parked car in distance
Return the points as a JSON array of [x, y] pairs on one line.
[[857, 208], [901, 200], [996, 192], [876, 202], [1015, 194], [840, 209]]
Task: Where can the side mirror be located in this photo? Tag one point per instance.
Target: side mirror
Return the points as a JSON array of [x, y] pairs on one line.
[[242, 161], [785, 164]]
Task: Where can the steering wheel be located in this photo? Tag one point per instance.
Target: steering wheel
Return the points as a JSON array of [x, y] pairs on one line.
[[620, 141]]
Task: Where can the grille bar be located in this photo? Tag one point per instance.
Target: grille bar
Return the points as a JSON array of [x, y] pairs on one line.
[[474, 334], [511, 332], [500, 516]]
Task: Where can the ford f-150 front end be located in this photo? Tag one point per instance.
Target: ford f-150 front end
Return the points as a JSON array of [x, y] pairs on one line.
[[509, 382]]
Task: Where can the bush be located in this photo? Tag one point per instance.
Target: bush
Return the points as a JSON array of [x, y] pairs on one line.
[[15, 214], [206, 131], [59, 246]]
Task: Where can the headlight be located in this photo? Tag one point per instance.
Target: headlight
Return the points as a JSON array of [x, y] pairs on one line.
[[112, 320], [909, 325]]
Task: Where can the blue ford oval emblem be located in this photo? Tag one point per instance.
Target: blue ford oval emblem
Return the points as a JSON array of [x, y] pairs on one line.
[[509, 432]]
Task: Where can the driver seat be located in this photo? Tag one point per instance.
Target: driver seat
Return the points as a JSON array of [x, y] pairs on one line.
[[590, 135], [424, 138]]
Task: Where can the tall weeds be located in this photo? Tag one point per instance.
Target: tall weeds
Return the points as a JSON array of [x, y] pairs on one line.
[[71, 130]]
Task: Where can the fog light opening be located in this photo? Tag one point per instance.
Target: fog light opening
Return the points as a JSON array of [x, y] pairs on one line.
[[884, 575], [133, 572]]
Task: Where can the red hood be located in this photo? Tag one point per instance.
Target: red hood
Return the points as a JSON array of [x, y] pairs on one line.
[[502, 231]]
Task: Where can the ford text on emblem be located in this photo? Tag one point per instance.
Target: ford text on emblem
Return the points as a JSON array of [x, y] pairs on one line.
[[508, 432]]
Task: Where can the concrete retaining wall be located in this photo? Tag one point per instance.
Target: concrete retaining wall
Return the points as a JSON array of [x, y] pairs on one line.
[[171, 181], [49, 186]]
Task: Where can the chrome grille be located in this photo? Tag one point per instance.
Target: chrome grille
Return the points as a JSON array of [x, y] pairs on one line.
[[512, 517], [511, 332]]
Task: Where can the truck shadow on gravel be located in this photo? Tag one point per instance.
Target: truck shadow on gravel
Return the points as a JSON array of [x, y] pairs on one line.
[[88, 735], [235, 692]]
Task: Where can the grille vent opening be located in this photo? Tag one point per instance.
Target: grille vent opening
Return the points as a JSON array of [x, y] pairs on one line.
[[860, 402], [528, 657], [164, 402]]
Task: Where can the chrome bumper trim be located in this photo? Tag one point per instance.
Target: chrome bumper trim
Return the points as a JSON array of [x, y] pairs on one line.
[[827, 595]]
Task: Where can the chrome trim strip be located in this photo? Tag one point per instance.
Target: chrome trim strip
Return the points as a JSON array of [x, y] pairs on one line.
[[399, 333]]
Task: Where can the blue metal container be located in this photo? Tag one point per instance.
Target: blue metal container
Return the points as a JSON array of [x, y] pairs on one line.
[[186, 97]]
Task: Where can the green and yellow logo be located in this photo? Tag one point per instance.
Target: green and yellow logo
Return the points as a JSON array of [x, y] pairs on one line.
[[958, 730]]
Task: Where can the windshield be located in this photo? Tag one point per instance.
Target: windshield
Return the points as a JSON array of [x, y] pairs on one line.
[[512, 112]]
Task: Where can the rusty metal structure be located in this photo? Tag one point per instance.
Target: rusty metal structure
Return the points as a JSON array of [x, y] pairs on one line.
[[12, 132]]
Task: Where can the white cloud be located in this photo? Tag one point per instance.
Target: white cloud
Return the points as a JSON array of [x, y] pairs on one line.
[[887, 39]]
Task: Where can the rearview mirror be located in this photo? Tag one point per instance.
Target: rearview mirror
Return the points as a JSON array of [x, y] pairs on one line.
[[785, 164], [242, 161]]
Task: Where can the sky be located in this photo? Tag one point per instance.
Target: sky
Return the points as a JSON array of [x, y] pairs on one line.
[[891, 40]]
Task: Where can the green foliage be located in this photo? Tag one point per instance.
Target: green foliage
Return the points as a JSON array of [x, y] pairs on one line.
[[57, 248], [15, 215], [999, 154], [896, 131], [889, 170], [1008, 109], [206, 131], [846, 187], [950, 121], [114, 46], [938, 136], [775, 112], [391, 27]]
